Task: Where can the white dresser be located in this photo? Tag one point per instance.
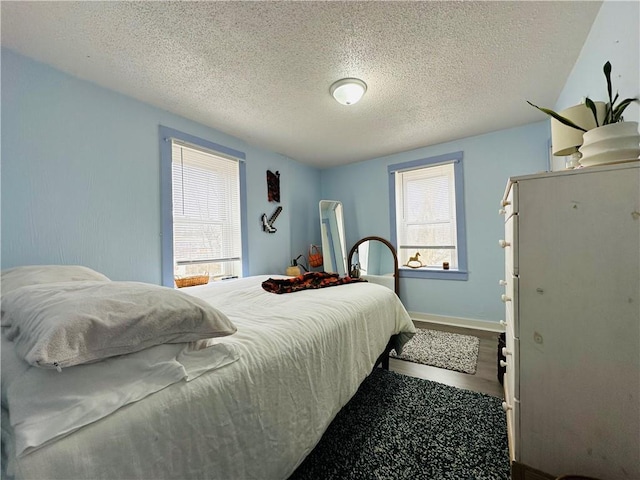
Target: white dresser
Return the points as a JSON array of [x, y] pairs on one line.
[[572, 314]]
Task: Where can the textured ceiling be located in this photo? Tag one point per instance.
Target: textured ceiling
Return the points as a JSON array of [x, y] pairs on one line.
[[261, 71]]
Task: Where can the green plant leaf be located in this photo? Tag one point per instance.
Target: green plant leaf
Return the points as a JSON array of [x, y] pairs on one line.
[[592, 107], [607, 114], [610, 109], [560, 118], [617, 112], [607, 74]]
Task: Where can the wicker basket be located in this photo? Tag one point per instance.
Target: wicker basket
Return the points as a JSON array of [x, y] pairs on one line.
[[191, 281]]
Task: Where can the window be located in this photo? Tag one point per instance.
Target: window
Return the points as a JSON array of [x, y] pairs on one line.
[[427, 217], [203, 200]]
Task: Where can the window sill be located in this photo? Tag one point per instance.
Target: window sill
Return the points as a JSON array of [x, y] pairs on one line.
[[433, 273]]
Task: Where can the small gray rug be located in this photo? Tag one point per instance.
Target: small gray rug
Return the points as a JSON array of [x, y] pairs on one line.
[[442, 349]]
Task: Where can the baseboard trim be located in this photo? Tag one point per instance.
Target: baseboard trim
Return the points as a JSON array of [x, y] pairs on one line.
[[458, 321]]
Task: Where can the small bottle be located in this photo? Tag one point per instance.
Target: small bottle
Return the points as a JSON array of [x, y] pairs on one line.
[[355, 271]]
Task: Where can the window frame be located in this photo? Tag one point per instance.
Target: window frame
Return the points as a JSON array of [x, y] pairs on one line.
[[166, 196], [456, 158]]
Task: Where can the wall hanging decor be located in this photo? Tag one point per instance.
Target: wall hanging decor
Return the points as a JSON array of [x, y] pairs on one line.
[[267, 225], [273, 186]]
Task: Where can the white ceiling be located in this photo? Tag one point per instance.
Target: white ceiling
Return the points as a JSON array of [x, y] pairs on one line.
[[261, 71]]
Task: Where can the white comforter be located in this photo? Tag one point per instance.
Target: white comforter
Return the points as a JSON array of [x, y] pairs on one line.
[[301, 357]]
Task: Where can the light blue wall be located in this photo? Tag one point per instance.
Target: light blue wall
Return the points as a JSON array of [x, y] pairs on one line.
[[614, 36], [489, 160], [81, 179]]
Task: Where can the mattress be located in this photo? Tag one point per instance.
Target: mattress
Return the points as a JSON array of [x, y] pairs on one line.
[[301, 357]]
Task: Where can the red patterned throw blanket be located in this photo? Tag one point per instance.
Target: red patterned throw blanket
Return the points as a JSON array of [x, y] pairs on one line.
[[307, 281]]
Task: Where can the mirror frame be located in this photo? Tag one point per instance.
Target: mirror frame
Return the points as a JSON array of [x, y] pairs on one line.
[[393, 252], [327, 248]]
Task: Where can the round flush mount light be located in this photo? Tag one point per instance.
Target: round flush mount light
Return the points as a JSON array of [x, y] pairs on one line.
[[348, 90]]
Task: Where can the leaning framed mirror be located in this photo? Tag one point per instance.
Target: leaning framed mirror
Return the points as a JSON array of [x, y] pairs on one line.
[[375, 260], [333, 239]]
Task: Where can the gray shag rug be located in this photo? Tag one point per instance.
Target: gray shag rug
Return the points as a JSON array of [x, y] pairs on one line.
[[442, 349], [400, 427]]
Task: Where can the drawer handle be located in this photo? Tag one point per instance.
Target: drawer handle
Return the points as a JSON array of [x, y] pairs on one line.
[[505, 352], [502, 211], [503, 323], [503, 364], [506, 407], [502, 282], [503, 243], [505, 298]]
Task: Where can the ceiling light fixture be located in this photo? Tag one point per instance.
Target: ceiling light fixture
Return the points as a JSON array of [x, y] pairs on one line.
[[348, 90]]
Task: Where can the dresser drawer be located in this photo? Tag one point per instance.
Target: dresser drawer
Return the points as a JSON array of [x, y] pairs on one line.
[[510, 243], [512, 408], [512, 356], [510, 299], [508, 204]]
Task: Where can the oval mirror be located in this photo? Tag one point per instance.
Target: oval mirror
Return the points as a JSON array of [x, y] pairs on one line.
[[333, 241], [375, 260]]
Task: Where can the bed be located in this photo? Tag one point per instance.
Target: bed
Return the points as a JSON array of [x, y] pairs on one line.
[[246, 405]]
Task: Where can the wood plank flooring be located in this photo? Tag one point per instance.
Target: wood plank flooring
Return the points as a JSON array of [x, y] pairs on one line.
[[485, 379]]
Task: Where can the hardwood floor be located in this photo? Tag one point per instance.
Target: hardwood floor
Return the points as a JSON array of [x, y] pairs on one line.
[[485, 379]]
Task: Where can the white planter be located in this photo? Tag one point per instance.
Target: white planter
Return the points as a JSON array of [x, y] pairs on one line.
[[614, 143]]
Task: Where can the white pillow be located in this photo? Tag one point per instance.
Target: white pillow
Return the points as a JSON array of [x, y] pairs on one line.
[[17, 277], [70, 323]]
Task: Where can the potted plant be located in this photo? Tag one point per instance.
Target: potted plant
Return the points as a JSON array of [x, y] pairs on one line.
[[612, 139]]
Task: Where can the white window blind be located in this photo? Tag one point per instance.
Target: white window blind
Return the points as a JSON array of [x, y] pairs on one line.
[[426, 215], [206, 212]]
